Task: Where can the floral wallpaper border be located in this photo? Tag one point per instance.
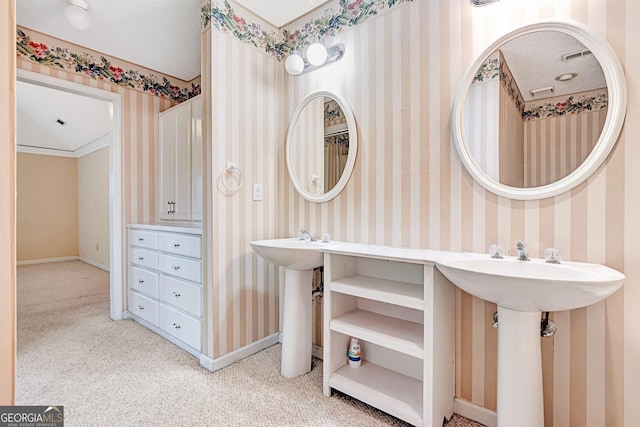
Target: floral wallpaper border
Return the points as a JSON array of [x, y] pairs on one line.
[[574, 104], [278, 45], [495, 67], [508, 82], [101, 69], [489, 70]]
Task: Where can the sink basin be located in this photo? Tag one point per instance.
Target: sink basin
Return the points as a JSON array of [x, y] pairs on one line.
[[532, 285], [292, 253], [522, 290]]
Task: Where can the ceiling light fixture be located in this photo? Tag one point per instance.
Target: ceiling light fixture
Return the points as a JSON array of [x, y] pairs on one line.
[[479, 3], [548, 90], [317, 56], [566, 77], [77, 14]]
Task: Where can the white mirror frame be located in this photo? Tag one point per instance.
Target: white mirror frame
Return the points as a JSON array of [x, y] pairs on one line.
[[351, 157], [616, 85]]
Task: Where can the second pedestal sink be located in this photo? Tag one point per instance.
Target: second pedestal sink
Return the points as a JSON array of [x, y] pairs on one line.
[[299, 258], [522, 290]]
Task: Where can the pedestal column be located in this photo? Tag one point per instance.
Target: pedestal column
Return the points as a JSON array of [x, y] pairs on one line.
[[296, 323], [520, 399]]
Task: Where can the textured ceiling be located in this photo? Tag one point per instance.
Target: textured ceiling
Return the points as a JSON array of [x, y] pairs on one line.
[[39, 108], [280, 12], [535, 60]]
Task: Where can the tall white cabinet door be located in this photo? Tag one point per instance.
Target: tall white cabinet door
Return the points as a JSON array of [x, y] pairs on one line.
[[182, 186], [166, 165], [174, 171], [196, 158]]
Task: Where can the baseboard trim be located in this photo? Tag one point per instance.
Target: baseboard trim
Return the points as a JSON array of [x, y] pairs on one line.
[[46, 260], [241, 353], [95, 264], [475, 412], [316, 351], [206, 362]]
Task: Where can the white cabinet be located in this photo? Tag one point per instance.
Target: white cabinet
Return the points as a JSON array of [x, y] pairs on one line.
[[180, 162], [402, 310], [165, 282]]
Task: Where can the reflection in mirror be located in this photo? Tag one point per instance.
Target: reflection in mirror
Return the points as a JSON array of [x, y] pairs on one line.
[[539, 110], [321, 146], [535, 109]]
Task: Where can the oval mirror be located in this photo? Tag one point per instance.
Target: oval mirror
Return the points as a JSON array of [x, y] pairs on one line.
[[321, 146], [540, 110]]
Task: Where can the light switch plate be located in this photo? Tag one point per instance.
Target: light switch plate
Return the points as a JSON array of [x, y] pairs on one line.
[[257, 191]]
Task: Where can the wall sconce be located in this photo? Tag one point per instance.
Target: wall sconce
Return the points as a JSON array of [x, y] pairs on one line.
[[317, 56], [77, 14]]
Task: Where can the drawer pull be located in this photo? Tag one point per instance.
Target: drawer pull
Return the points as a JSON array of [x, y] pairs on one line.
[[140, 307], [177, 245], [175, 325], [140, 258], [175, 294], [140, 239], [140, 281], [176, 267]]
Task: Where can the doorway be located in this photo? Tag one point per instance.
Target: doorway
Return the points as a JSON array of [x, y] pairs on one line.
[[114, 143]]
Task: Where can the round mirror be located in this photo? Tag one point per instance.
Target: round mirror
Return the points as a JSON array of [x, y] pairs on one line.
[[540, 110], [321, 146]]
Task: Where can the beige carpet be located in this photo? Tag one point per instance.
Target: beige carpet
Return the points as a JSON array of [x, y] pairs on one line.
[[108, 373]]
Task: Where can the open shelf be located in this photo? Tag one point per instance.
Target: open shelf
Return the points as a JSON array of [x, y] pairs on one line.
[[390, 332], [388, 291], [387, 390], [391, 299]]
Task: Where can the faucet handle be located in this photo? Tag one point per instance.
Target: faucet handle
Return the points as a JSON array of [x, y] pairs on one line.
[[552, 256], [495, 251]]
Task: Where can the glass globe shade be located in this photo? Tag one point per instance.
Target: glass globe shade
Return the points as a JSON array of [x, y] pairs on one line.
[[317, 54], [77, 17], [294, 64]]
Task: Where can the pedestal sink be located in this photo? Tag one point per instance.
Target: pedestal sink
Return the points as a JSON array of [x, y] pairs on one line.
[[299, 258], [522, 290]]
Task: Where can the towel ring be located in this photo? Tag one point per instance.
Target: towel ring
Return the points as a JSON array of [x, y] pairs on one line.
[[315, 181], [231, 168]]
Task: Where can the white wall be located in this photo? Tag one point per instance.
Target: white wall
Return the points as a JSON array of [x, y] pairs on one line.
[[93, 208]]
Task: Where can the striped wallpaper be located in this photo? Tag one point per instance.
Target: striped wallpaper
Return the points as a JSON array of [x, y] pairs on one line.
[[400, 74], [7, 204], [556, 146], [246, 128]]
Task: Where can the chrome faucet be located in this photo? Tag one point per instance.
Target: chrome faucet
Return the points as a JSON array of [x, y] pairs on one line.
[[303, 235], [522, 255]]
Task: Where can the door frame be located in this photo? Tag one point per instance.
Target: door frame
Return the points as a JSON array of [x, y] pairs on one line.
[[115, 176]]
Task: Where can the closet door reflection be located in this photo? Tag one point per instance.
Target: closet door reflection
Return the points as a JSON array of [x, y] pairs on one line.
[[336, 143]]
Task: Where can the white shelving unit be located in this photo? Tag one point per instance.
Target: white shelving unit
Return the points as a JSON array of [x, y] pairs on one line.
[[403, 312]]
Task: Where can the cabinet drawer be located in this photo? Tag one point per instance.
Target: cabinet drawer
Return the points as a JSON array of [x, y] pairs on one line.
[[180, 244], [181, 267], [143, 238], [144, 281], [144, 258], [143, 307], [181, 326], [181, 294]]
